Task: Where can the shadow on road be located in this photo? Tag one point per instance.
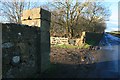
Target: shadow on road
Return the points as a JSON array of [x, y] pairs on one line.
[[96, 70]]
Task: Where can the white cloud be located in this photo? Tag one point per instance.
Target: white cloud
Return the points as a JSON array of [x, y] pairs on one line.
[[113, 23], [114, 29], [111, 29], [114, 16], [112, 26]]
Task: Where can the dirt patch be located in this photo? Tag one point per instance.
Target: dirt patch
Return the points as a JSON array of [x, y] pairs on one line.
[[71, 56]]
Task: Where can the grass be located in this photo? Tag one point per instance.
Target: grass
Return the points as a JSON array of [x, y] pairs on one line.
[[116, 32], [85, 46]]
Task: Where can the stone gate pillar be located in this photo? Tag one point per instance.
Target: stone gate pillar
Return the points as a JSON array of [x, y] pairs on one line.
[[45, 39], [41, 18]]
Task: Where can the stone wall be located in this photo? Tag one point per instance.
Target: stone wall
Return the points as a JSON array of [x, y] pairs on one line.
[[58, 40], [93, 38], [90, 38], [20, 50], [26, 49]]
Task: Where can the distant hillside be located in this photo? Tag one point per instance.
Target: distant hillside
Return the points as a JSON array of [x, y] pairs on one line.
[[115, 33]]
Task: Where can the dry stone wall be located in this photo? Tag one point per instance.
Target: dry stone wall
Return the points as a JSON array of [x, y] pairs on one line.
[[90, 38], [93, 38], [26, 48], [20, 50], [58, 40]]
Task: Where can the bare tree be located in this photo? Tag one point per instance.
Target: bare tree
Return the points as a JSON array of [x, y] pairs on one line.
[[67, 14], [74, 15], [96, 13]]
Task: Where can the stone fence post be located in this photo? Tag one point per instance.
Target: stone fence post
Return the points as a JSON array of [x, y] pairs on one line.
[[41, 18], [45, 39]]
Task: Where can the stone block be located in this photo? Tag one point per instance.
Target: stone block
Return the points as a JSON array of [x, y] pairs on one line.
[[26, 22], [26, 14], [35, 22], [35, 13], [38, 17]]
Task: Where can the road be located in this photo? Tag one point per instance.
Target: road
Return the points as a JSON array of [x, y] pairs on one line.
[[107, 63]]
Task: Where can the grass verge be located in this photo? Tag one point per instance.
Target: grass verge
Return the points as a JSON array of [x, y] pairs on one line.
[[84, 46]]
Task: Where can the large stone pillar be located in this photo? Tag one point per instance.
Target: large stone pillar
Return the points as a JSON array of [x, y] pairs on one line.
[[45, 39], [40, 18]]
